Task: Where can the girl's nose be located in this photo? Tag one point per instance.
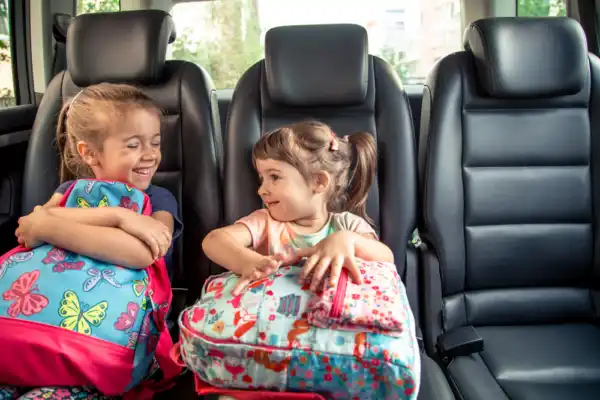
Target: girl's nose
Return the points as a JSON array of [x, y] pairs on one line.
[[261, 190], [150, 154]]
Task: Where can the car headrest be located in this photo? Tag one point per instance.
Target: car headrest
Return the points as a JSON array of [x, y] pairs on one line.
[[315, 65], [60, 27], [529, 57], [123, 47]]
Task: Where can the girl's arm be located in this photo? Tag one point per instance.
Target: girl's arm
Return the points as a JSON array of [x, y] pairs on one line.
[[104, 243], [368, 248], [102, 216], [229, 247]]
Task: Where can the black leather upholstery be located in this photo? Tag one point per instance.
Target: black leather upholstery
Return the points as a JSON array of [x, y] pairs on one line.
[[510, 206], [549, 61], [128, 47], [191, 129], [60, 27], [340, 69], [384, 111]]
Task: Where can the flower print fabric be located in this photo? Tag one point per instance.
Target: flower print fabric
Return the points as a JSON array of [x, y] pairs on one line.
[[376, 306], [50, 393]]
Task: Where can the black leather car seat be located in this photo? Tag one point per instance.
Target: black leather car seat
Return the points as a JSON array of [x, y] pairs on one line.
[[324, 72], [509, 166], [60, 27], [130, 47]]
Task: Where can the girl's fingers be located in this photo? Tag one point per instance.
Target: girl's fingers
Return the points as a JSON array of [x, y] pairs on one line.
[[354, 270], [336, 269], [309, 266], [240, 286], [319, 273], [154, 247]]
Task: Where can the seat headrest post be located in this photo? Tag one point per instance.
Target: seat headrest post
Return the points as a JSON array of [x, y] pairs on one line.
[[121, 47], [317, 65], [528, 57]]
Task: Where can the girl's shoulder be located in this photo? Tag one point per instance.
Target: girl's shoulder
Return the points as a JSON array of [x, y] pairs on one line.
[[347, 221]]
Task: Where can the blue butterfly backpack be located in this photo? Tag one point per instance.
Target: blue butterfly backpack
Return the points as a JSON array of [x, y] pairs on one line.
[[70, 320]]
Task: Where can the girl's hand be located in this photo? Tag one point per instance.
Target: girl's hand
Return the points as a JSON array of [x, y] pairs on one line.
[[28, 231], [331, 254], [261, 268], [153, 233]]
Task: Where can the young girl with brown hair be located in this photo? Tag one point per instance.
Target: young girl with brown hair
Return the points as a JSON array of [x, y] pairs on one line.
[[108, 132], [314, 186]]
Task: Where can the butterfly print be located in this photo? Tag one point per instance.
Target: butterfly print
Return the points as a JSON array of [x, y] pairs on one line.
[[78, 316], [13, 260], [22, 292], [98, 276], [89, 186], [61, 260], [127, 203], [127, 319], [83, 203]]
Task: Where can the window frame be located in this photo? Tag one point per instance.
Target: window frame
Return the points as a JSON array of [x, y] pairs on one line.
[[20, 49]]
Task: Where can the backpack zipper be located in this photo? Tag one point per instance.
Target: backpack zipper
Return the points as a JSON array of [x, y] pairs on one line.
[[340, 293]]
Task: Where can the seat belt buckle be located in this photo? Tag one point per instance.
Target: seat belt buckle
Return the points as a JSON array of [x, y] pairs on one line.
[[416, 240], [459, 342]]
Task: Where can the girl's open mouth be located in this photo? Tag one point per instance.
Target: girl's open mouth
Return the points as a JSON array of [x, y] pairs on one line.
[[143, 171]]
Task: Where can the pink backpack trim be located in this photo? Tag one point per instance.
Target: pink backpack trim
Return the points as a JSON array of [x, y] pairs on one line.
[[43, 344]]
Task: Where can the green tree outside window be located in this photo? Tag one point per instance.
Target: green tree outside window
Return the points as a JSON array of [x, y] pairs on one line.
[[238, 46], [95, 6], [541, 8]]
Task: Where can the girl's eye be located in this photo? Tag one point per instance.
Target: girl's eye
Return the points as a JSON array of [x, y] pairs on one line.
[[132, 145], [275, 177], [156, 144]]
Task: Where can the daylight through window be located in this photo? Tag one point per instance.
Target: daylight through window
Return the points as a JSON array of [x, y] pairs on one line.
[[227, 36], [7, 86]]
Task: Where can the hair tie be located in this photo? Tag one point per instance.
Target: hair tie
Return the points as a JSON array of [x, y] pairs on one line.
[[75, 97], [334, 146]]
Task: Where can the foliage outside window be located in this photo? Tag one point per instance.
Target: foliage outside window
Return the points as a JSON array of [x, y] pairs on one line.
[[95, 6], [227, 36], [541, 8], [7, 86], [230, 44]]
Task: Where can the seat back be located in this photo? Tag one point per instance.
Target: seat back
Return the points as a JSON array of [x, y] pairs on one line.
[[508, 165], [130, 47], [324, 72]]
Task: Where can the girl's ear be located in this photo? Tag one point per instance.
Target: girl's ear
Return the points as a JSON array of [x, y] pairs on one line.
[[320, 182], [89, 155]]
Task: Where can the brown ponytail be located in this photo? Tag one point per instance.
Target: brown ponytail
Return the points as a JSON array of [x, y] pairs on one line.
[[363, 174], [63, 145]]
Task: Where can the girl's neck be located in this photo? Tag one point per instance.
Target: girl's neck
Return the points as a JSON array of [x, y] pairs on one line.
[[312, 223]]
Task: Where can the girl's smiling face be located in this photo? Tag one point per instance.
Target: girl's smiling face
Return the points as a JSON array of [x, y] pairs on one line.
[[131, 153], [285, 192]]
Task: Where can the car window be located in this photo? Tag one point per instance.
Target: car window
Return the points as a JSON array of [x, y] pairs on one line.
[[227, 36]]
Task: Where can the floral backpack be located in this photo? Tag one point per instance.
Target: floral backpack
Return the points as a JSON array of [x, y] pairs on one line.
[[70, 320], [346, 342]]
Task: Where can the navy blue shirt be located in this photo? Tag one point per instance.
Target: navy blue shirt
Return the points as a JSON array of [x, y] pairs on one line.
[[161, 200]]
